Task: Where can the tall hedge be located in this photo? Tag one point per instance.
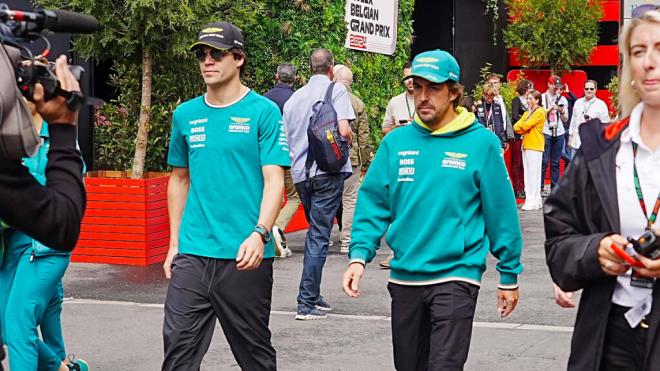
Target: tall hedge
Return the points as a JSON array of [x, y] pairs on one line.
[[276, 31]]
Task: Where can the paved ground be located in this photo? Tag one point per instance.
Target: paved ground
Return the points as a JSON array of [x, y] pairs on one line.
[[114, 315]]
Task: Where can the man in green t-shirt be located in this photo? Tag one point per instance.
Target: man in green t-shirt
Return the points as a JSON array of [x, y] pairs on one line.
[[228, 151]]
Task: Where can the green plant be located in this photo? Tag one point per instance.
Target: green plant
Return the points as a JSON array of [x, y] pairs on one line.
[[276, 31], [493, 8], [553, 33], [613, 88]]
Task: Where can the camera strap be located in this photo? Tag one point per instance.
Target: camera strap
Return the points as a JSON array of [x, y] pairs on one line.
[[640, 196]]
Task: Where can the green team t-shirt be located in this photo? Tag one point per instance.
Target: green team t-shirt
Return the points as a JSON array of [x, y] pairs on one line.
[[224, 148]]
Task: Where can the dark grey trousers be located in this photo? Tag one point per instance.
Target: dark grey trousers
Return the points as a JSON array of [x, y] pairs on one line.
[[432, 325], [205, 289]]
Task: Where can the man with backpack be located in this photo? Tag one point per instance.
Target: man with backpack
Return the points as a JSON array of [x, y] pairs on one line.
[[319, 165]]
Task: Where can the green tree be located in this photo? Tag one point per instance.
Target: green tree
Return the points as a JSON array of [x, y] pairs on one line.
[[555, 33], [276, 31], [148, 41]]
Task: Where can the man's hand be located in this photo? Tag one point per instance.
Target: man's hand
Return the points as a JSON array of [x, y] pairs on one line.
[[507, 301], [167, 265], [351, 280], [563, 299], [251, 253], [55, 111], [610, 262]]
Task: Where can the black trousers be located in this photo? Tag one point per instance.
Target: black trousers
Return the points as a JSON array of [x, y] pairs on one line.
[[625, 347], [205, 289], [432, 325]]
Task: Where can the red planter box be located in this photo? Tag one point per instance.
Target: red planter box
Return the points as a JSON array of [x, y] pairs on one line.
[[126, 220]]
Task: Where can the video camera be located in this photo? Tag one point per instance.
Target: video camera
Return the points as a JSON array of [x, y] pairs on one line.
[[20, 70]]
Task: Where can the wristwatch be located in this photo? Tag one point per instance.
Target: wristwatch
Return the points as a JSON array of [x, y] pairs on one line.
[[263, 232]]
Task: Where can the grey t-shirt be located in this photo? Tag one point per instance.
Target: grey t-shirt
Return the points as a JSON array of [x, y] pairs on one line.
[[296, 114], [400, 108]]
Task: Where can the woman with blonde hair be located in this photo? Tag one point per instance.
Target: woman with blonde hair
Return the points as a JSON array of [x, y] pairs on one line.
[[530, 126], [611, 191]]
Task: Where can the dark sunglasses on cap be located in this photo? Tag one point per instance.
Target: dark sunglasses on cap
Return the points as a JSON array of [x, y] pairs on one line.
[[216, 54], [640, 10]]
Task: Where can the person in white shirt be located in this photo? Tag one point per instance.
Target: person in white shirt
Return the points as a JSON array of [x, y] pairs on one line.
[[401, 108], [556, 107], [587, 108]]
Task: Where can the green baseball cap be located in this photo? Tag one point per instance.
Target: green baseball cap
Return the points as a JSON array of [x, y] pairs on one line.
[[437, 66]]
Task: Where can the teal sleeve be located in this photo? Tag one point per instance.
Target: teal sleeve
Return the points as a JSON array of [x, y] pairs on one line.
[[501, 216], [178, 152], [372, 212], [273, 146]]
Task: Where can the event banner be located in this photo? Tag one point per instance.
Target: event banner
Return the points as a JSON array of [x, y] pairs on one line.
[[372, 25]]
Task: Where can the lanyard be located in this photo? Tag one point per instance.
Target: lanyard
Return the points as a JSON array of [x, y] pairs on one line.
[[410, 115], [489, 116], [640, 195]]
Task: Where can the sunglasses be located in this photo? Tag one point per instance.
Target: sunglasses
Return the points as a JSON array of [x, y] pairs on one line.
[[216, 54], [589, 89], [640, 10]]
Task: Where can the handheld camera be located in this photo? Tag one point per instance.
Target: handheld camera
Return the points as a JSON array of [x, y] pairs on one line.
[[20, 70]]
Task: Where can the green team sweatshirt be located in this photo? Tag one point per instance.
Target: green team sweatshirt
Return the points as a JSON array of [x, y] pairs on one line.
[[445, 199]]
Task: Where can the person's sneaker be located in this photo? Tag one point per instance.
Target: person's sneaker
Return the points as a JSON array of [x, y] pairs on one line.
[[323, 305], [281, 250], [311, 315], [77, 364], [385, 264]]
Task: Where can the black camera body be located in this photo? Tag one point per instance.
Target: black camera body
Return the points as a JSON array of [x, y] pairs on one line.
[[20, 70], [648, 244], [44, 74]]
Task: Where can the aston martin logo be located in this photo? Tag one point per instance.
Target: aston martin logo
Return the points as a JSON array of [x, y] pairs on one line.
[[456, 155], [240, 120], [212, 29]]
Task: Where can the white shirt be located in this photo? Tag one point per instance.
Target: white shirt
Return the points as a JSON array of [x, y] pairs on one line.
[[594, 108], [631, 216], [400, 108], [548, 101], [500, 101]]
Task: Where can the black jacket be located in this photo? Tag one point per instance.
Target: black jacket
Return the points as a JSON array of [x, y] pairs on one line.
[[50, 214], [517, 110], [581, 211], [280, 93]]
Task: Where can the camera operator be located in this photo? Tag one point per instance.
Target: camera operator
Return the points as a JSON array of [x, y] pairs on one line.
[[612, 190], [51, 213]]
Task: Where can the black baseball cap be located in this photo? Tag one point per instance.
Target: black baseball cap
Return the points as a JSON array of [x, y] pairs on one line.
[[219, 35]]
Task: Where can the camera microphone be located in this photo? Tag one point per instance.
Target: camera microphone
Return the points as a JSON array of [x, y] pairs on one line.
[[54, 20], [69, 22]]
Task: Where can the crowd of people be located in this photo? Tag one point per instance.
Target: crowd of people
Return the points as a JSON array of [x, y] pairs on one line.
[[440, 149]]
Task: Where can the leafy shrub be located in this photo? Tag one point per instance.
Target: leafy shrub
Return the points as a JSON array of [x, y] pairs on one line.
[[553, 33]]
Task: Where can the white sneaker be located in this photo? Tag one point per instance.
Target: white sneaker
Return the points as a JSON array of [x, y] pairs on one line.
[[281, 250]]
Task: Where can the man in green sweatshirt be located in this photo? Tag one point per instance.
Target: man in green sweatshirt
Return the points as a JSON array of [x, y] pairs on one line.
[[440, 189]]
